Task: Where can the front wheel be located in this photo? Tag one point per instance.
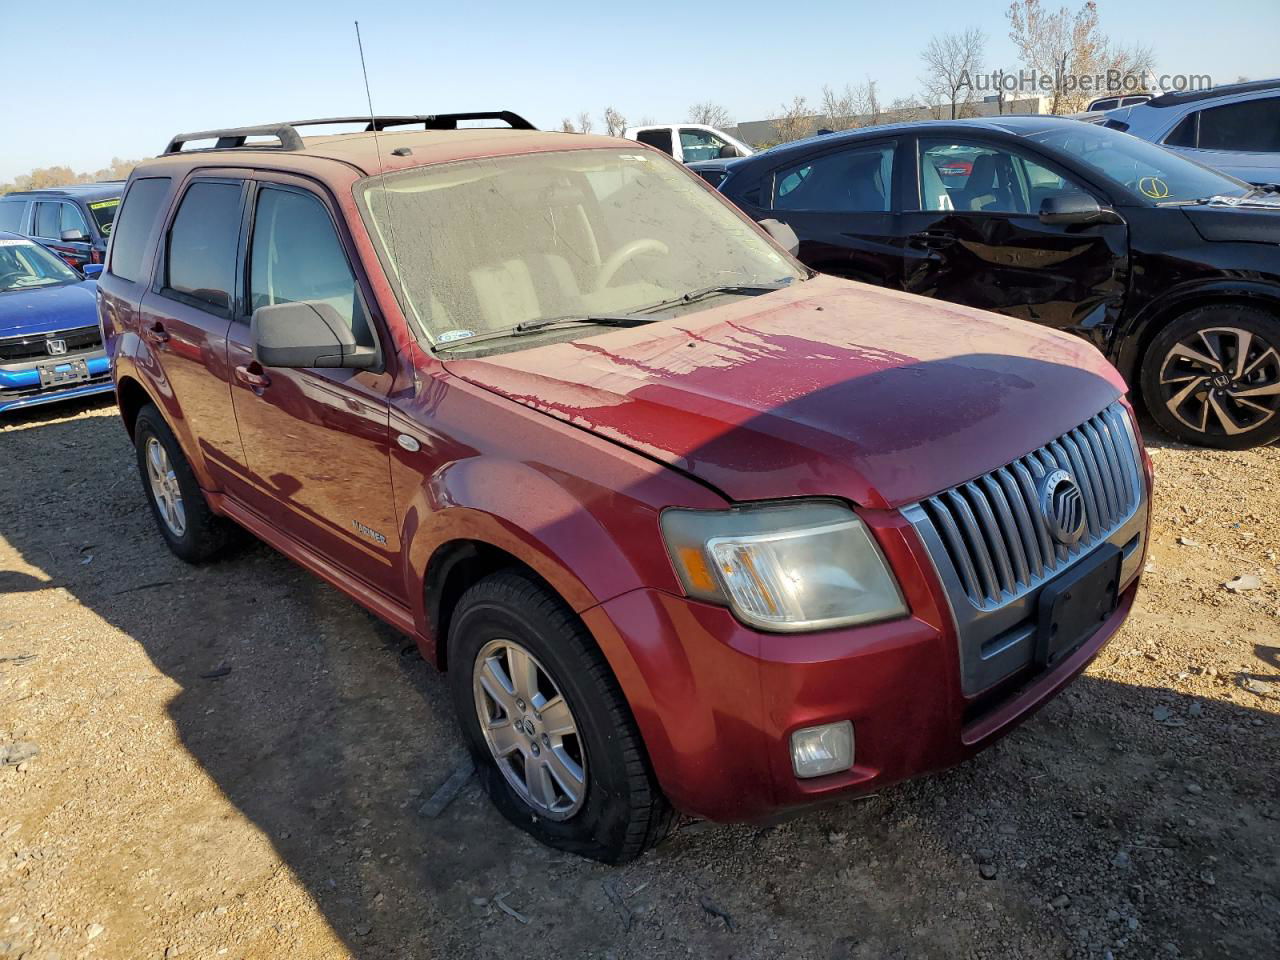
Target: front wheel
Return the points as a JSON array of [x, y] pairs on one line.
[[1212, 377], [554, 741]]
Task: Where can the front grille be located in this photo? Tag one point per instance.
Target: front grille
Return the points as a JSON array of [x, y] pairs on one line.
[[32, 346], [992, 527]]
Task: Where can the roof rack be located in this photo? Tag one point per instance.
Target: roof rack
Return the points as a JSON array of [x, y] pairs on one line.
[[232, 138], [1228, 89]]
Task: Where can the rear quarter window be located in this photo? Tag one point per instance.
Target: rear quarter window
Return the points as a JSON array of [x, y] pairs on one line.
[[134, 226]]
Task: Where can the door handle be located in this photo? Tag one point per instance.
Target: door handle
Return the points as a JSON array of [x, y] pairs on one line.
[[156, 333], [934, 240], [250, 378]]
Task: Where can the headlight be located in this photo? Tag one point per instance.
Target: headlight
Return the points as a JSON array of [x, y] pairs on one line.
[[787, 566]]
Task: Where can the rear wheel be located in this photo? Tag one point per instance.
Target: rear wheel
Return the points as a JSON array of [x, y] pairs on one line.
[[554, 741], [1212, 377], [192, 530]]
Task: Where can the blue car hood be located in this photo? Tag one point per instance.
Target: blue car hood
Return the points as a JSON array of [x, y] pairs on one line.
[[49, 309]]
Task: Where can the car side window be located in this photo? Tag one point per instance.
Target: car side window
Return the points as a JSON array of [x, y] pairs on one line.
[[138, 212], [700, 145], [296, 255], [48, 216], [200, 267], [660, 138], [11, 215], [858, 179], [986, 179], [1251, 126], [1184, 134], [73, 219]]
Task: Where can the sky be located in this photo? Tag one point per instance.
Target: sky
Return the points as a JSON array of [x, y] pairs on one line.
[[129, 74]]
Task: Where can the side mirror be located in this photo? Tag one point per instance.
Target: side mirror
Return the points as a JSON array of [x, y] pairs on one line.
[[72, 236], [308, 333], [729, 151], [783, 234], [91, 271], [1075, 208]]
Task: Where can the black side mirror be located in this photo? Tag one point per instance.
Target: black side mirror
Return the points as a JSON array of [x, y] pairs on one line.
[[308, 333], [729, 151], [1075, 208], [72, 236], [783, 234]]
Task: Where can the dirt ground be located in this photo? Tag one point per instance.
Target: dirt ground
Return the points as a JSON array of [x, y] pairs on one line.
[[231, 761]]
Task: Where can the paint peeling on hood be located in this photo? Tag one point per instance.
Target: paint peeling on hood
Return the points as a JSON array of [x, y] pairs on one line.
[[829, 387]]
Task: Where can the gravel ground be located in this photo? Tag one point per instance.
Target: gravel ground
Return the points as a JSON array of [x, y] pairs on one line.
[[231, 762]]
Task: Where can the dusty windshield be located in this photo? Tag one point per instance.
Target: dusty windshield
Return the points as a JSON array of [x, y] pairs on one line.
[[488, 245]]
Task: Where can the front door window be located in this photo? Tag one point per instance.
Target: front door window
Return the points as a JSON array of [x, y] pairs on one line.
[[976, 178]]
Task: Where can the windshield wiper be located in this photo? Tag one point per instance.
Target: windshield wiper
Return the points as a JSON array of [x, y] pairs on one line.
[[746, 289], [535, 326]]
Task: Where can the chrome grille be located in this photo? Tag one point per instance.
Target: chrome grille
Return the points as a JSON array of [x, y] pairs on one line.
[[992, 527]]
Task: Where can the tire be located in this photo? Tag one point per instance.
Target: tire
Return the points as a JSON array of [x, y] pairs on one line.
[[201, 534], [618, 811], [1195, 388]]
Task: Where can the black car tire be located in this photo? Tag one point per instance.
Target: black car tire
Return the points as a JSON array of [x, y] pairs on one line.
[[623, 812], [1163, 377], [205, 535]]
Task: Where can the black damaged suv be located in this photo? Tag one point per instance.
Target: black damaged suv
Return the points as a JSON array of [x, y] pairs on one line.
[[1170, 268]]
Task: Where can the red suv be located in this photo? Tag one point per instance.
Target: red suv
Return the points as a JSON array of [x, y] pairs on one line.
[[690, 527]]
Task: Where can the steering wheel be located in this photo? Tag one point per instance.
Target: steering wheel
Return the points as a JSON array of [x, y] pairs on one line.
[[12, 273], [625, 253]]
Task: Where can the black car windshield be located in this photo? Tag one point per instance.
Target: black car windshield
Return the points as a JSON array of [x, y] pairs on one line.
[[486, 245], [104, 214], [1157, 174], [25, 266]]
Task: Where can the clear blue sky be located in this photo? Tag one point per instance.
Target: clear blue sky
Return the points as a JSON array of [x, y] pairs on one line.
[[129, 74]]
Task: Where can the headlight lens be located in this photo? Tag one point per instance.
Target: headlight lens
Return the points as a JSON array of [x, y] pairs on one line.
[[790, 566]]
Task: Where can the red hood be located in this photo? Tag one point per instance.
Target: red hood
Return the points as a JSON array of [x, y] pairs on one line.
[[828, 387]]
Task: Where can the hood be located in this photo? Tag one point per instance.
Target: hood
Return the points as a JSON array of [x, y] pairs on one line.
[[1246, 223], [49, 309], [829, 387]]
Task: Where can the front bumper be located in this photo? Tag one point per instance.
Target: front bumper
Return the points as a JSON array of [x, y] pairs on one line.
[[717, 701], [20, 382]]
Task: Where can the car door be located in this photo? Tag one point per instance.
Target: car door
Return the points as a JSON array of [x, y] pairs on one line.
[[840, 203], [975, 237], [316, 440], [184, 317]]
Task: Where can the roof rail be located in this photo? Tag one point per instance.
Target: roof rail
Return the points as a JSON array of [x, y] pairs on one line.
[[429, 121], [234, 137], [1226, 90]]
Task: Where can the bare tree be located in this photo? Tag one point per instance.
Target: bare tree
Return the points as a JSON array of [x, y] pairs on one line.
[[614, 122], [566, 126], [1066, 47], [712, 114], [584, 122], [952, 62], [794, 121]]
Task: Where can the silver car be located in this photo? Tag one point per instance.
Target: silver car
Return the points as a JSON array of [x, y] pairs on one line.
[[1235, 128]]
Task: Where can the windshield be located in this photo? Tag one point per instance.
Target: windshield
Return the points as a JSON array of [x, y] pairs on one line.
[[1159, 175], [485, 245], [104, 214], [25, 265]]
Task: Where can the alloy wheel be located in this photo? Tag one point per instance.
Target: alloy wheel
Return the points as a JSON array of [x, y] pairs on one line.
[[1221, 380], [530, 729], [164, 488]]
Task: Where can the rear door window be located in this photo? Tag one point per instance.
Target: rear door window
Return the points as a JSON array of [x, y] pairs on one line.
[[200, 267], [296, 255], [660, 138], [48, 216], [137, 217], [859, 179], [1252, 126]]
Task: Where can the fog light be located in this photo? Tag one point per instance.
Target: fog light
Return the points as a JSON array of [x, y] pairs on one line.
[[816, 751]]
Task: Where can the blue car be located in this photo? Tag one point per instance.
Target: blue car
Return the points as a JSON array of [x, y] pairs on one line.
[[50, 342]]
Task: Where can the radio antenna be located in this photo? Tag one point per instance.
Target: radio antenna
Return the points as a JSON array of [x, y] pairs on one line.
[[377, 146]]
